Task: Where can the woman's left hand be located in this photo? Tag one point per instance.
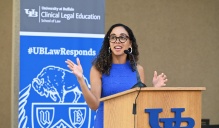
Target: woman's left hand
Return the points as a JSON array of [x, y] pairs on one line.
[[159, 80]]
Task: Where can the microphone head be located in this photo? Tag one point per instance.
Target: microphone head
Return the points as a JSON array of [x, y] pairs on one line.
[[126, 52]]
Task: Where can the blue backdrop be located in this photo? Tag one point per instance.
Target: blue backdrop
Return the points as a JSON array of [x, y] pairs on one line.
[[49, 94]]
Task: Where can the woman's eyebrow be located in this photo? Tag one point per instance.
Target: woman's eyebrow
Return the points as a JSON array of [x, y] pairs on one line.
[[123, 34]]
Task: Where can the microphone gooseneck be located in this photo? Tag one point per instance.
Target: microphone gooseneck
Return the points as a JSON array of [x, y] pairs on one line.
[[139, 83]]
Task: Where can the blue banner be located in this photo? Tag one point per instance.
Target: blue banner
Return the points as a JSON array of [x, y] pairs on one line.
[[49, 95]]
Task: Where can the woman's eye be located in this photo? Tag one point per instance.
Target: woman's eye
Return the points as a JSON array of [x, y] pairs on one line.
[[122, 37], [113, 37]]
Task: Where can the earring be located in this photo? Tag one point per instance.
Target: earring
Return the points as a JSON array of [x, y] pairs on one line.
[[130, 51], [109, 50]]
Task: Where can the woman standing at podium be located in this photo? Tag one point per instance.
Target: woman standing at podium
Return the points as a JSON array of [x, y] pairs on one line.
[[113, 71]]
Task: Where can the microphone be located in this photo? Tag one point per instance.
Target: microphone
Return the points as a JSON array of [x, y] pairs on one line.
[[139, 83]]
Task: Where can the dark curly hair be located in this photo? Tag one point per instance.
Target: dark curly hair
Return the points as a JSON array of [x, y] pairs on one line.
[[103, 61]]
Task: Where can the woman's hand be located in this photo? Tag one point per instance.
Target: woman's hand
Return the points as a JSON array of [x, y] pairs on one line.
[[159, 80], [75, 68]]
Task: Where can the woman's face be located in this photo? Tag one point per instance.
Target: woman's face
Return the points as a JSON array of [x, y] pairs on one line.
[[119, 41]]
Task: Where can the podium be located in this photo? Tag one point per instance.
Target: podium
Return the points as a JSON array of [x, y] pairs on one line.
[[118, 107]]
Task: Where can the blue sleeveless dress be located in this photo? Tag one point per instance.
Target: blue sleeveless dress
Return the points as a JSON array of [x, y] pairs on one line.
[[121, 78]]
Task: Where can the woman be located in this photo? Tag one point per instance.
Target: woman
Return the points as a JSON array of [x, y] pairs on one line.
[[112, 71]]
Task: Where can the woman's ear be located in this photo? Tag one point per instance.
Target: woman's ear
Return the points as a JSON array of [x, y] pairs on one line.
[[130, 44]]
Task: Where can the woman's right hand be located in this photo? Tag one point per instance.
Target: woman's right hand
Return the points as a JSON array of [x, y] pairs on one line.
[[75, 68]]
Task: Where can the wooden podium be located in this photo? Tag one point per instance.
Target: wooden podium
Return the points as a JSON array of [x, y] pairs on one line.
[[118, 108]]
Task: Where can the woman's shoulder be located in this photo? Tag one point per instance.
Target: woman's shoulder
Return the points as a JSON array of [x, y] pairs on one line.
[[140, 67], [94, 71]]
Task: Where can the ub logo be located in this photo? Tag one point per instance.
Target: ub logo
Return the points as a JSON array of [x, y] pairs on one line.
[[169, 122], [31, 13], [53, 99]]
